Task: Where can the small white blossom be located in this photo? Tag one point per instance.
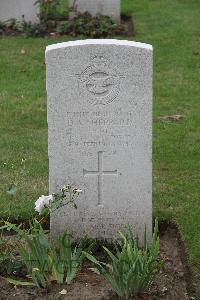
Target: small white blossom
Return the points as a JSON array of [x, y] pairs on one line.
[[42, 202]]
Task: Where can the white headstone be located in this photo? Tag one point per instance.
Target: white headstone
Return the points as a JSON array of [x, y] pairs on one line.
[[18, 9], [99, 125], [109, 8]]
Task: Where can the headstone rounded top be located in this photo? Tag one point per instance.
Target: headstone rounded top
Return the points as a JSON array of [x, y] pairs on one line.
[[99, 42]]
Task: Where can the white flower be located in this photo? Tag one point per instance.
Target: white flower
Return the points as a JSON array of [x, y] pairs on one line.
[[42, 202]]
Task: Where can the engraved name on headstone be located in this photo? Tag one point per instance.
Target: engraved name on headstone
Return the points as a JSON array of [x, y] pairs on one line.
[[99, 126]]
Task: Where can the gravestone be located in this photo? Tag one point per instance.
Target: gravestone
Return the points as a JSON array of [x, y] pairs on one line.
[[109, 8], [99, 125], [19, 9]]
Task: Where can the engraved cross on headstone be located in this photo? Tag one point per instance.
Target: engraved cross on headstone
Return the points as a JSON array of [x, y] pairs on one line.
[[100, 172]]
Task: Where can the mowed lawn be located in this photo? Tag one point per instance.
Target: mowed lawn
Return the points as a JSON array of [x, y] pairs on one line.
[[173, 28]]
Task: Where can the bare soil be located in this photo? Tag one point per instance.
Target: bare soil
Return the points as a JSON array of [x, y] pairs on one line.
[[173, 283]]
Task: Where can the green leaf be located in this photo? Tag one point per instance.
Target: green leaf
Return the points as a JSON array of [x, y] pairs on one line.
[[19, 282], [92, 258], [112, 256]]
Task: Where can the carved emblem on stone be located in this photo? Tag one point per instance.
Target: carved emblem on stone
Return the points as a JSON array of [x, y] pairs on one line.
[[98, 82]]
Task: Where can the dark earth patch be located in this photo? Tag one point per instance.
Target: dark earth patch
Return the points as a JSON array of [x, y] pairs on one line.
[[173, 283]]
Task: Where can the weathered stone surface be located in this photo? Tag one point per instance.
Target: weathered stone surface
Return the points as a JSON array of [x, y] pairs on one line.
[[99, 123], [17, 9], [103, 7]]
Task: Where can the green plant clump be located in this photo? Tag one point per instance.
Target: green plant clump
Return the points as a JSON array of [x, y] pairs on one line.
[[43, 261], [47, 8], [95, 27], [83, 24], [28, 29], [131, 270]]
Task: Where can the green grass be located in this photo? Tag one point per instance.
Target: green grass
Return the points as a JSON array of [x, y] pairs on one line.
[[172, 27]]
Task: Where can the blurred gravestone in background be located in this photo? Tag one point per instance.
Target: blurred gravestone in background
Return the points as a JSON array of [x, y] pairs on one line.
[[19, 10], [109, 8]]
